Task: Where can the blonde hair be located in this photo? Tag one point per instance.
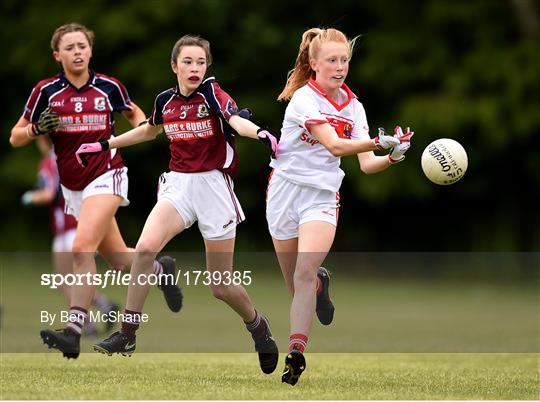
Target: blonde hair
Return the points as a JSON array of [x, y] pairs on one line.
[[310, 46], [68, 28]]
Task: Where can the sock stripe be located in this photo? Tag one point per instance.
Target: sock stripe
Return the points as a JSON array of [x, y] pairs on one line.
[[158, 268], [298, 341], [251, 326]]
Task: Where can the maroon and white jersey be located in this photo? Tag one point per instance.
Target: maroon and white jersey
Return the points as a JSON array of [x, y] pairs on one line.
[[48, 178], [197, 127], [86, 115]]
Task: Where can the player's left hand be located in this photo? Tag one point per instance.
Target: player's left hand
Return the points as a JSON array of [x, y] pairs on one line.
[[269, 140], [397, 154], [87, 149], [384, 141]]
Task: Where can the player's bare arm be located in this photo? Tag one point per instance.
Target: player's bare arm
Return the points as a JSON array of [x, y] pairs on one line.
[[371, 163], [327, 136], [19, 133], [145, 132], [142, 133], [135, 116], [246, 128]]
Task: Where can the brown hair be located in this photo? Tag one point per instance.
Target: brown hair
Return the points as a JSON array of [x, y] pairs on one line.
[[68, 28], [312, 39], [191, 40]]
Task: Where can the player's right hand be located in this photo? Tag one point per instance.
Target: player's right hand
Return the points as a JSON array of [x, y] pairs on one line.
[[27, 198], [48, 121], [385, 141], [269, 140], [88, 149]]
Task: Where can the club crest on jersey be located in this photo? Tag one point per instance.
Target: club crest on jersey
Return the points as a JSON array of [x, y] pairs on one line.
[[99, 103], [202, 111], [347, 130]]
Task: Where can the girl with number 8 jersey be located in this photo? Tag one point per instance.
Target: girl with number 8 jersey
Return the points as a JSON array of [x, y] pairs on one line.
[[74, 107]]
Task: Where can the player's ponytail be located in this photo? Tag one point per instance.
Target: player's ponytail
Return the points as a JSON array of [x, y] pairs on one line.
[[301, 72], [312, 40]]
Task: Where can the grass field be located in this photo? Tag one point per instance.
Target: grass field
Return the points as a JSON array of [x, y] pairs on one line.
[[236, 376], [482, 341]]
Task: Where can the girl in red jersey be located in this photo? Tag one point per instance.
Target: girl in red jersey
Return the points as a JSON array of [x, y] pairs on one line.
[[74, 107], [323, 121], [198, 118]]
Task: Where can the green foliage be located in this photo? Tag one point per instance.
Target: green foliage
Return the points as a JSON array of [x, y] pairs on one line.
[[464, 70]]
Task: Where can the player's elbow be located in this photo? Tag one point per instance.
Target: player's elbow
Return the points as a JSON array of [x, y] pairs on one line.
[[366, 170], [14, 141], [335, 149]]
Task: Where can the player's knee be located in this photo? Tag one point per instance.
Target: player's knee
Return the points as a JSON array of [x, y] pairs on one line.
[[304, 276], [146, 247], [220, 292], [82, 254], [83, 244]]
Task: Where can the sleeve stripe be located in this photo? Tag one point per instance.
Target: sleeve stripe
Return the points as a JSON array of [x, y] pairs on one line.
[[39, 97], [126, 104], [152, 119]]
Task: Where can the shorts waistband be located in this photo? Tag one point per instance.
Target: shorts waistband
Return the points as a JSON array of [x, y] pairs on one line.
[[196, 174]]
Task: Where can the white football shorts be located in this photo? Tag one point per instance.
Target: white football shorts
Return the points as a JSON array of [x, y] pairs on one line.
[[111, 182], [206, 197], [289, 205]]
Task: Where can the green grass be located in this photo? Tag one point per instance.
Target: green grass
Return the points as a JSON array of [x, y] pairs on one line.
[[371, 351], [236, 376]]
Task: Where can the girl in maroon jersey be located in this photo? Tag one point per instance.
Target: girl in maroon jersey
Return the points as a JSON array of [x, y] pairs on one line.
[[198, 118], [74, 107], [47, 192]]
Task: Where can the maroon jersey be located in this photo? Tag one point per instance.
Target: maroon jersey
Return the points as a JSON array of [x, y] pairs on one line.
[[86, 115], [197, 127], [48, 178]]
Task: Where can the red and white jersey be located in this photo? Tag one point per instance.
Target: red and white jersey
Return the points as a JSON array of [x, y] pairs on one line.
[[304, 160], [197, 128], [86, 115], [48, 178]]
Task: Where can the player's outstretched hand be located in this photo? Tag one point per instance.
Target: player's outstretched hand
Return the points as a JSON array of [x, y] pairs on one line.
[[27, 198], [48, 121], [397, 154], [269, 140], [385, 141], [88, 149]]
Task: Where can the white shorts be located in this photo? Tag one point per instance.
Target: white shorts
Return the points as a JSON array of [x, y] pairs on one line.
[[289, 205], [63, 243], [111, 182], [206, 197]]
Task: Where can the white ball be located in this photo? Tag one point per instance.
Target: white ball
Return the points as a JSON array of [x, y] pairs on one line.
[[444, 161]]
